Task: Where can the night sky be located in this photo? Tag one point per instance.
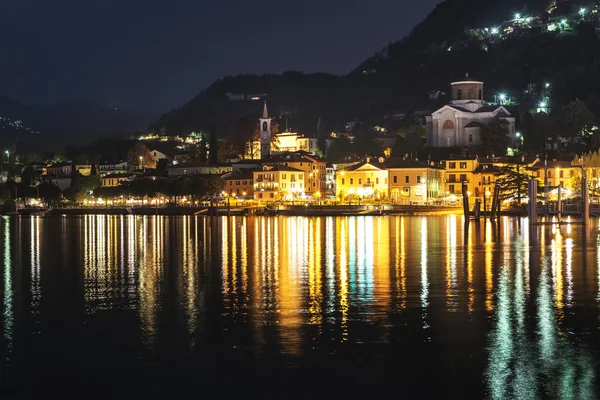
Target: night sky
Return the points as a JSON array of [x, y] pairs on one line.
[[154, 55]]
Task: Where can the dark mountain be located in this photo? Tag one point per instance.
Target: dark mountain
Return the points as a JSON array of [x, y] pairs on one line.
[[513, 46], [43, 127]]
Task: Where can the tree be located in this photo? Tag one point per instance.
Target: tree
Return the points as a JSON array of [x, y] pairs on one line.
[[539, 128], [575, 120], [494, 136], [29, 175], [203, 150], [226, 151], [49, 192], [513, 182], [93, 171], [321, 135], [161, 167], [410, 140], [33, 158], [140, 150], [89, 183], [214, 143], [341, 150]]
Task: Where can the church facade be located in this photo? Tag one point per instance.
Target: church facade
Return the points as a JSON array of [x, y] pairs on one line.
[[458, 124]]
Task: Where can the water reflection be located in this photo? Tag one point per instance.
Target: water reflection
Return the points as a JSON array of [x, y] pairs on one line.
[[292, 289]]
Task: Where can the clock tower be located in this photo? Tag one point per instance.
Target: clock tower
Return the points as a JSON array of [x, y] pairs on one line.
[[265, 133]]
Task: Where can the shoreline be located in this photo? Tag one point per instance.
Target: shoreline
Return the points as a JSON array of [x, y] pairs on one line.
[[296, 210]]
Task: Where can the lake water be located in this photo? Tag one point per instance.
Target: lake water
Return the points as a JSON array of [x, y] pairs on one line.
[[137, 304]]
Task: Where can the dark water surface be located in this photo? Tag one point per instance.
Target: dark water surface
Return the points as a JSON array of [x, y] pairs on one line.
[[135, 304]]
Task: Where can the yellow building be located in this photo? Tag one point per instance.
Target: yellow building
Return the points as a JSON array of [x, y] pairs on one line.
[[554, 173], [362, 180], [459, 170], [413, 182], [314, 168], [114, 180], [239, 184], [278, 182]]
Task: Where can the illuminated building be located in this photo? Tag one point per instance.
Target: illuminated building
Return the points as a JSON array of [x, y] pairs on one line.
[[459, 123], [365, 179], [315, 177], [240, 183], [112, 180], [414, 181], [277, 182]]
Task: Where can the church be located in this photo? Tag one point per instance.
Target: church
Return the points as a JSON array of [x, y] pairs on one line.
[[458, 123], [284, 142]]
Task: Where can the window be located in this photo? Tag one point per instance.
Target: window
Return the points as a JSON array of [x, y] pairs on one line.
[[300, 164], [470, 138], [561, 174], [293, 185], [452, 165], [395, 179], [418, 179], [237, 183], [351, 181], [360, 181], [549, 173], [283, 176], [407, 179], [377, 181], [448, 124], [271, 195], [451, 188], [314, 184], [343, 181], [463, 178], [265, 126], [571, 174], [293, 177], [260, 194], [260, 177], [245, 182], [407, 191], [458, 96], [452, 178], [480, 94], [230, 183], [463, 165]]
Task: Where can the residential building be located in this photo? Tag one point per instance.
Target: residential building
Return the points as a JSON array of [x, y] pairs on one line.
[[275, 182], [120, 167], [159, 155], [458, 124], [555, 173], [65, 168], [40, 168], [459, 170], [367, 179], [114, 179], [240, 183], [329, 180], [188, 169], [315, 177], [414, 182]]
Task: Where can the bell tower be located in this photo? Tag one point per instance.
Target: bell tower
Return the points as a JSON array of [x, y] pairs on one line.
[[265, 133]]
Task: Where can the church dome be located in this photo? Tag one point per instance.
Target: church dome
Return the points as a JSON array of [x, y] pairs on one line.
[[466, 91]]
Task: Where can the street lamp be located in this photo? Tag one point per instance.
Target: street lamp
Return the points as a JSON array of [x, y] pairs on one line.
[[141, 163], [7, 156]]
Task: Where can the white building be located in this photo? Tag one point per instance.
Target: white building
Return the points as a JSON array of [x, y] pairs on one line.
[[158, 155], [458, 123], [121, 167]]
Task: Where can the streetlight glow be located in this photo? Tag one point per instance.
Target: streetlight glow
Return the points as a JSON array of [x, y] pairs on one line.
[[517, 16]]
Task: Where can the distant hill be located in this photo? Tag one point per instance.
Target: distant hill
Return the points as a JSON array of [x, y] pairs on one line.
[[51, 127], [513, 46]]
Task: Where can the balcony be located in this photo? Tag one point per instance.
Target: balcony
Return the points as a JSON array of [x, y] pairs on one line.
[[457, 181]]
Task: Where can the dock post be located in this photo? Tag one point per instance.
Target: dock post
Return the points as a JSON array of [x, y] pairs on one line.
[[559, 202], [586, 201], [465, 195], [532, 194], [495, 202]]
